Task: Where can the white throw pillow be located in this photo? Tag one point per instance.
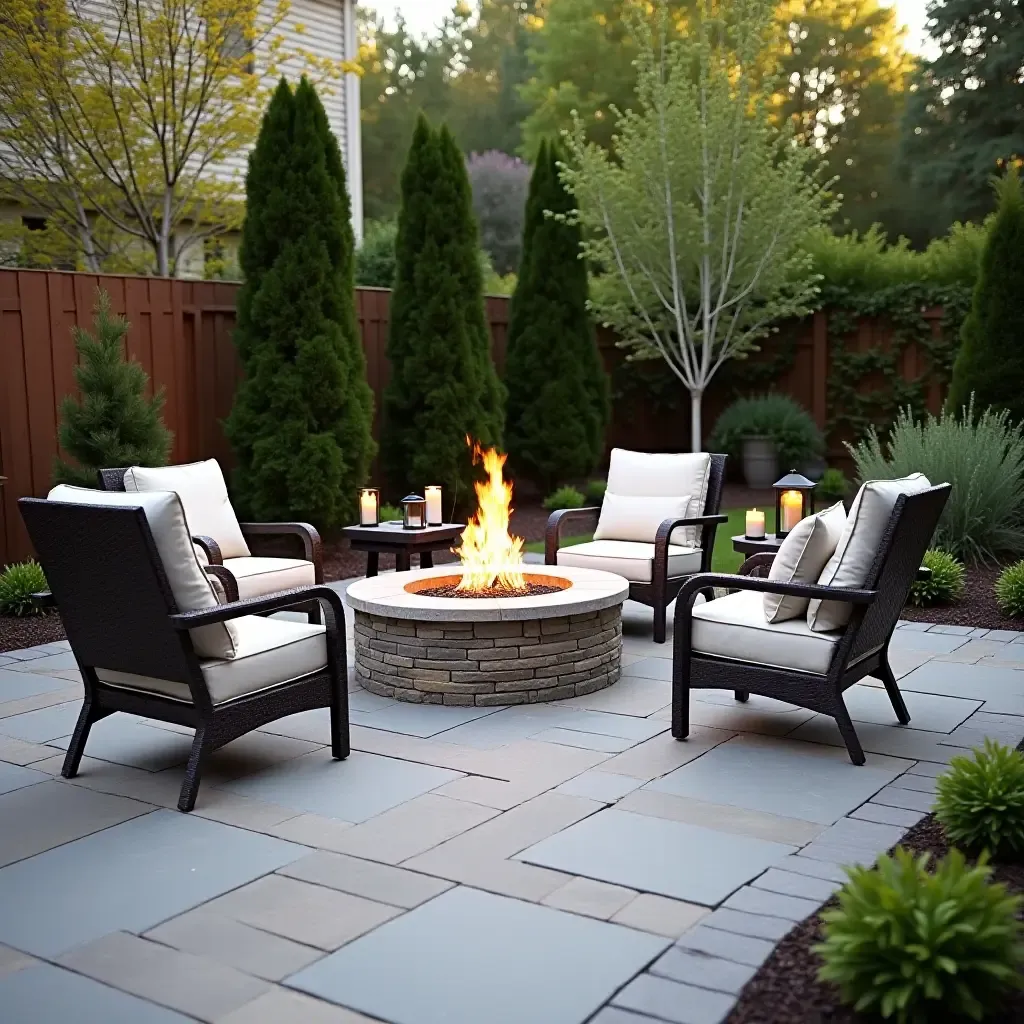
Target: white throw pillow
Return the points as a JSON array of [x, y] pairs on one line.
[[801, 558], [627, 518], [858, 546], [661, 475], [204, 495], [189, 583]]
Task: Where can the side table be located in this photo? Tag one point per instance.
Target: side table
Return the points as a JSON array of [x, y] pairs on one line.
[[748, 546], [393, 539]]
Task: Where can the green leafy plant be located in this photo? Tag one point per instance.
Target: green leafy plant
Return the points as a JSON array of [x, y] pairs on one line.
[[833, 485], [918, 946], [375, 258], [779, 417], [390, 512], [564, 497], [946, 583], [981, 455], [1009, 589], [594, 491], [980, 801], [18, 582]]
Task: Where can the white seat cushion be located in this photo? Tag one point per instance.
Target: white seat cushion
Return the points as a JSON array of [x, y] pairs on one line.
[[858, 545], [203, 493], [270, 652], [734, 627], [259, 576], [190, 586], [624, 517], [631, 559]]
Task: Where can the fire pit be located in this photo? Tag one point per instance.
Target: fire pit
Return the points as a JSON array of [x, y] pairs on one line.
[[492, 631]]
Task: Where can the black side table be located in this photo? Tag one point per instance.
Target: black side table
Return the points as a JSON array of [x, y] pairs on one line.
[[748, 546], [393, 539]]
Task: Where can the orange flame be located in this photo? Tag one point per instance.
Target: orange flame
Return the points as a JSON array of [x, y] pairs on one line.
[[491, 556]]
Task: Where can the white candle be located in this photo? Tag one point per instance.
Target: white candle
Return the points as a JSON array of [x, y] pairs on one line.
[[367, 508], [434, 514], [792, 509], [755, 524]]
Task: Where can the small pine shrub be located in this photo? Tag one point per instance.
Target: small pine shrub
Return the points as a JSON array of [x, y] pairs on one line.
[[833, 486], [564, 497], [389, 512], [594, 491], [919, 946], [375, 258], [980, 801], [792, 428], [1009, 590], [946, 583], [18, 582]]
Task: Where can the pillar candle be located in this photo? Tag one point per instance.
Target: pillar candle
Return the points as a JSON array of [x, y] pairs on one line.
[[367, 508], [434, 515], [755, 524], [792, 509]]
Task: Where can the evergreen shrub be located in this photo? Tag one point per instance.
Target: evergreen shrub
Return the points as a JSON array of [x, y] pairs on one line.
[[375, 258], [564, 497], [946, 583], [18, 582], [779, 417], [833, 486], [594, 491], [1009, 590]]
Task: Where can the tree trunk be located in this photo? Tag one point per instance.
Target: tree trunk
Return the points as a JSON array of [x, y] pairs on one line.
[[695, 438]]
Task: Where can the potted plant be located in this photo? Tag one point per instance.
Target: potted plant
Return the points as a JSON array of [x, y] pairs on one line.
[[766, 432]]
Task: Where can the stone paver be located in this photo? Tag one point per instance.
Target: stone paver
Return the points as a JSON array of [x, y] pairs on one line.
[[703, 970], [595, 899], [674, 1001], [659, 914]]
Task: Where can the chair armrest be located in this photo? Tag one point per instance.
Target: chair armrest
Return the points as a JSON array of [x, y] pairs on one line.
[[227, 579], [662, 539], [813, 591], [308, 534], [210, 547], [763, 559], [556, 522], [262, 605]]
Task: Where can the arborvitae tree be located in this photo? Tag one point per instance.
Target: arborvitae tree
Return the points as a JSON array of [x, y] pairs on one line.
[[112, 422], [991, 359], [443, 385], [301, 422], [557, 389]]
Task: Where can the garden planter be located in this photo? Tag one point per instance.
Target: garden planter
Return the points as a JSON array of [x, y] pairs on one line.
[[760, 462]]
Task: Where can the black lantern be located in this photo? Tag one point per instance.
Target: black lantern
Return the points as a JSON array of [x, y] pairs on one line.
[[414, 512], [794, 500], [369, 506]]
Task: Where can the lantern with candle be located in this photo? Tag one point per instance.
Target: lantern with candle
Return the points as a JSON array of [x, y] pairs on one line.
[[414, 512], [369, 506], [794, 500], [434, 515]]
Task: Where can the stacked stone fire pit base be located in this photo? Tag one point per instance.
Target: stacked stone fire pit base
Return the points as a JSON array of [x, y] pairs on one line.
[[488, 651]]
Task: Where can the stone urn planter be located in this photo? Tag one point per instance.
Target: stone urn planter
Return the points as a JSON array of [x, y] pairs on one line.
[[760, 462]]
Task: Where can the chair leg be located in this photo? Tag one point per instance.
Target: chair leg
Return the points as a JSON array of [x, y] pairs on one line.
[[193, 770], [681, 701], [847, 731], [340, 747], [741, 695], [89, 714], [659, 620], [898, 703]]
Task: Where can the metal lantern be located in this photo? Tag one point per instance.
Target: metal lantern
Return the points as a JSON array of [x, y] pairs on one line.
[[414, 512], [794, 500], [369, 506]]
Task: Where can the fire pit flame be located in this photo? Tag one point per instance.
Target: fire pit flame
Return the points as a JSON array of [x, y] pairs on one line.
[[492, 559]]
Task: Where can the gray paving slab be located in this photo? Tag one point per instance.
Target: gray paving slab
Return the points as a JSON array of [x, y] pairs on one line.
[[780, 779], [470, 956], [352, 790], [44, 725], [421, 719], [674, 1001], [687, 862], [314, 726], [129, 878], [124, 739], [598, 785], [14, 777], [972, 682], [792, 884], [772, 904], [815, 868], [15, 685], [739, 948], [739, 922], [703, 970], [586, 740], [47, 663], [928, 711], [906, 799], [933, 643], [887, 815], [50, 995]]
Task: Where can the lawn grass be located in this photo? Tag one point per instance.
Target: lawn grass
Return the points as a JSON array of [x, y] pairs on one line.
[[724, 558]]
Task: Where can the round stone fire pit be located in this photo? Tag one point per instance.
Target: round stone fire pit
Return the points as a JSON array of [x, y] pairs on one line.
[[488, 651]]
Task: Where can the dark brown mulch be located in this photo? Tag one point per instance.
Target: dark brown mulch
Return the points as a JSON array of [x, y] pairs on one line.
[[16, 633], [786, 989], [977, 608]]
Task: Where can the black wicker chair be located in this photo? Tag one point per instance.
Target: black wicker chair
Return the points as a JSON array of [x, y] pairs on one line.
[[662, 590], [862, 647], [109, 584]]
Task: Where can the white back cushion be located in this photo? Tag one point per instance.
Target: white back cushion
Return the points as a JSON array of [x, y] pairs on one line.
[[858, 546], [657, 475], [624, 517], [189, 584], [801, 558], [204, 495]]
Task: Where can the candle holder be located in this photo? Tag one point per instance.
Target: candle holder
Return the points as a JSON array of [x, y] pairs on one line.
[[435, 515], [369, 506], [794, 500], [414, 512]]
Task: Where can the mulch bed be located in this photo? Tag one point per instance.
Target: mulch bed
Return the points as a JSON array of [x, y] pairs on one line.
[[977, 608], [16, 633], [786, 989]]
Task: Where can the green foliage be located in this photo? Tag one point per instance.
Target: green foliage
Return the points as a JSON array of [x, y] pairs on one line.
[[946, 583], [980, 801], [500, 184], [1009, 589], [389, 513], [375, 258], [982, 456], [300, 425], [443, 385], [18, 582], [564, 497], [919, 946], [111, 422], [990, 364], [833, 486], [594, 491], [776, 416], [558, 403]]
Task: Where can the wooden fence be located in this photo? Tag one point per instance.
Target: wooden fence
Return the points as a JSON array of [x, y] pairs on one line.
[[181, 335]]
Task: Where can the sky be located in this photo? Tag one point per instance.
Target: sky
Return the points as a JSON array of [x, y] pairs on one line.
[[423, 14]]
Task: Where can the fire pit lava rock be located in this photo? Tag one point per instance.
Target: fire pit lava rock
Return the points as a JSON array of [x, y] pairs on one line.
[[536, 646]]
